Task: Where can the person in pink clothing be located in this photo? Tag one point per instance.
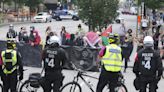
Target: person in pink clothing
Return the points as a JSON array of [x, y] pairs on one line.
[[92, 39]]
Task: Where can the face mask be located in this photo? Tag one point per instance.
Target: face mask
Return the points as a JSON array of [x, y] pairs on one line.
[[31, 29], [34, 34], [25, 34]]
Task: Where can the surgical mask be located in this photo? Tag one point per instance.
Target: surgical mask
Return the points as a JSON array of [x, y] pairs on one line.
[[31, 29], [25, 34], [34, 34]]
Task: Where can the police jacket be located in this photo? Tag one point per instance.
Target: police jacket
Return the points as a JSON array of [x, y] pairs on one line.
[[54, 59], [17, 60], [148, 63]]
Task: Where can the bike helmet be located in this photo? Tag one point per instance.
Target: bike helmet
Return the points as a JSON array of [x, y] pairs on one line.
[[148, 41], [113, 38], [11, 44], [53, 41]]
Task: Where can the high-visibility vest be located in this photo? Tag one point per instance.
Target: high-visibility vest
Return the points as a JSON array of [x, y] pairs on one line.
[[13, 60], [112, 60]]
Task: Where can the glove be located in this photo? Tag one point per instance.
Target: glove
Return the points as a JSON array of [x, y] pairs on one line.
[[158, 78], [21, 77]]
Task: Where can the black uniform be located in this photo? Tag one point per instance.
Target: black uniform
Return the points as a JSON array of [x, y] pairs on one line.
[[10, 80], [148, 68], [54, 59]]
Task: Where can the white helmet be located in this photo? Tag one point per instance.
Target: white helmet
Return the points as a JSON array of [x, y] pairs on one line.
[[148, 41], [54, 39]]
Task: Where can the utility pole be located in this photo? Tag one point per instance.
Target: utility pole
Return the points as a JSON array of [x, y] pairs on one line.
[[138, 19]]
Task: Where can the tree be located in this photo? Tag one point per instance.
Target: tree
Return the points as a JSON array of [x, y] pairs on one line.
[[152, 4], [33, 4], [98, 13]]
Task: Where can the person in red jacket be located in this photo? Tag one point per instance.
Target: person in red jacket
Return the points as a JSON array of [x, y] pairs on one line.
[[34, 37]]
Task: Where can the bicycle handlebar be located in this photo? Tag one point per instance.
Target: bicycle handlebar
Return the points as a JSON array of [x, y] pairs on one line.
[[76, 69]]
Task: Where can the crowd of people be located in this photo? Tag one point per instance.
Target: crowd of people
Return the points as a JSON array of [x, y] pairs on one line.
[[23, 37]]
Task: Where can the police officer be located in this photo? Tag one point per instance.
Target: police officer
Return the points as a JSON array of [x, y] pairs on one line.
[[148, 66], [54, 58], [11, 34], [111, 64], [12, 61]]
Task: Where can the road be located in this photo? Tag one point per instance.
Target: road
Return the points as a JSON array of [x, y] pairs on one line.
[[71, 26]]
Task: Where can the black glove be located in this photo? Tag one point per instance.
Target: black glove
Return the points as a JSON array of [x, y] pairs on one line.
[[21, 77], [158, 78], [137, 75]]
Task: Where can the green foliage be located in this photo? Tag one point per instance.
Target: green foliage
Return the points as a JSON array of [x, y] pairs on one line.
[[33, 3], [9, 2], [152, 4], [98, 13]]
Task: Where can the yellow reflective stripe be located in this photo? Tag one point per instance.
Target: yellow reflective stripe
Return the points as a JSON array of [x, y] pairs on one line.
[[9, 72]]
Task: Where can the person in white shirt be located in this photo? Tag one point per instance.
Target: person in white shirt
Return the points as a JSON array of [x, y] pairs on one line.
[[144, 23]]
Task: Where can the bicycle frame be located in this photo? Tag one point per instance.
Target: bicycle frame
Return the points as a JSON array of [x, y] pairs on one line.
[[80, 75]]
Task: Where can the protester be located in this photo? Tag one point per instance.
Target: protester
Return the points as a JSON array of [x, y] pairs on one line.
[[11, 34], [34, 38], [140, 39], [147, 67], [127, 48], [62, 35], [54, 58], [154, 26], [156, 40], [11, 61], [72, 41], [144, 24], [23, 36], [68, 37], [80, 33], [92, 39], [122, 33]]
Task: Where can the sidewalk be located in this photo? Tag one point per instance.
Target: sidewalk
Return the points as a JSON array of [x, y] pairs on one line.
[[15, 23]]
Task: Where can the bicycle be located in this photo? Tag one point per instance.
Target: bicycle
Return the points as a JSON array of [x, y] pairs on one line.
[[1, 87], [33, 83], [75, 87], [163, 74]]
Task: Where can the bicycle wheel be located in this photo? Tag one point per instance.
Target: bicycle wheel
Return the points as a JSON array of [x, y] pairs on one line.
[[1, 88], [71, 87], [121, 88], [26, 87]]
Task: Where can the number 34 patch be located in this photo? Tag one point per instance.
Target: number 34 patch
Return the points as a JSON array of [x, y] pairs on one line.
[[146, 64], [50, 62]]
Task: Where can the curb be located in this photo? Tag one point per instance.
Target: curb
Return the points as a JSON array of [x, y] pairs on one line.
[[15, 23]]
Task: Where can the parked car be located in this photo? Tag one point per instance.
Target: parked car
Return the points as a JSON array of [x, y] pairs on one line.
[[65, 14], [119, 20], [42, 17]]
